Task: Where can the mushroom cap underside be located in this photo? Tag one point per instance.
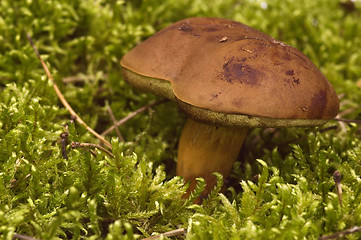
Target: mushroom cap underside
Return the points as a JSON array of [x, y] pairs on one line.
[[226, 67]]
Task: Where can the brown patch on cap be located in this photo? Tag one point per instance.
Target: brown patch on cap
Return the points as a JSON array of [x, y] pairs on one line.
[[237, 102], [238, 70], [290, 72], [318, 104], [214, 96]]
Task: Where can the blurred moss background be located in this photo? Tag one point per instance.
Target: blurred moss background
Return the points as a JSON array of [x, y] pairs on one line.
[[289, 194]]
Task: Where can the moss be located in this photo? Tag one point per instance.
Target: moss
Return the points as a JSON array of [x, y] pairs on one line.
[[289, 193]]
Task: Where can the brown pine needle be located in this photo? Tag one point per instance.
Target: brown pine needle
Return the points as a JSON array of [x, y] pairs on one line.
[[63, 100], [64, 139], [87, 146], [81, 78], [172, 233], [123, 120], [22, 237], [347, 120], [341, 234]]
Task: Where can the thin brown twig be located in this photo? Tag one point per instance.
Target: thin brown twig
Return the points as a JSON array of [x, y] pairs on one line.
[[340, 234], [80, 78], [347, 111], [123, 120], [64, 141], [348, 120], [172, 233], [340, 123], [110, 112], [91, 145], [22, 237], [333, 127], [63, 100]]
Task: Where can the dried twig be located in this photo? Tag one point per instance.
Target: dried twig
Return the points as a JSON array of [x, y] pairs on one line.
[[347, 111], [347, 120], [63, 100], [64, 141], [80, 78], [337, 179], [14, 181], [333, 127], [340, 234], [123, 120], [87, 146], [172, 233], [22, 237]]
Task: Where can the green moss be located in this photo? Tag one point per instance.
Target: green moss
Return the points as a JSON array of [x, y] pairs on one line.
[[289, 194]]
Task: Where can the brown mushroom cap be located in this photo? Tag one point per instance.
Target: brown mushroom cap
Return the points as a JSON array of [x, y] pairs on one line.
[[224, 72]]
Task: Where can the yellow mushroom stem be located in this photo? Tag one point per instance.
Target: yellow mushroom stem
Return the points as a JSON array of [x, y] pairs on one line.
[[204, 149]]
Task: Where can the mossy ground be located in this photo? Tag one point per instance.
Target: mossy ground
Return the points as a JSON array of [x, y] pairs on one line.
[[288, 194]]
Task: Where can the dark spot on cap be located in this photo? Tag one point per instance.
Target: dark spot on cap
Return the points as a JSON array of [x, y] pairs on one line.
[[211, 29], [214, 96], [277, 62], [318, 105], [290, 72], [235, 70], [237, 102], [185, 27], [287, 56], [291, 82]]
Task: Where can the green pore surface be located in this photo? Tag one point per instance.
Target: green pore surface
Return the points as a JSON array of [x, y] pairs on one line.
[[281, 187]]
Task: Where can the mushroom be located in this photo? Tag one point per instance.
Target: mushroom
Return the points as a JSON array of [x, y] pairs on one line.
[[227, 78]]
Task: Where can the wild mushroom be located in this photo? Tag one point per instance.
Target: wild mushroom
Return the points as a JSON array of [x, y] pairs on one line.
[[227, 78]]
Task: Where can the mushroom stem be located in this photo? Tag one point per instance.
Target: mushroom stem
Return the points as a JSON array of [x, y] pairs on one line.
[[204, 149]]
